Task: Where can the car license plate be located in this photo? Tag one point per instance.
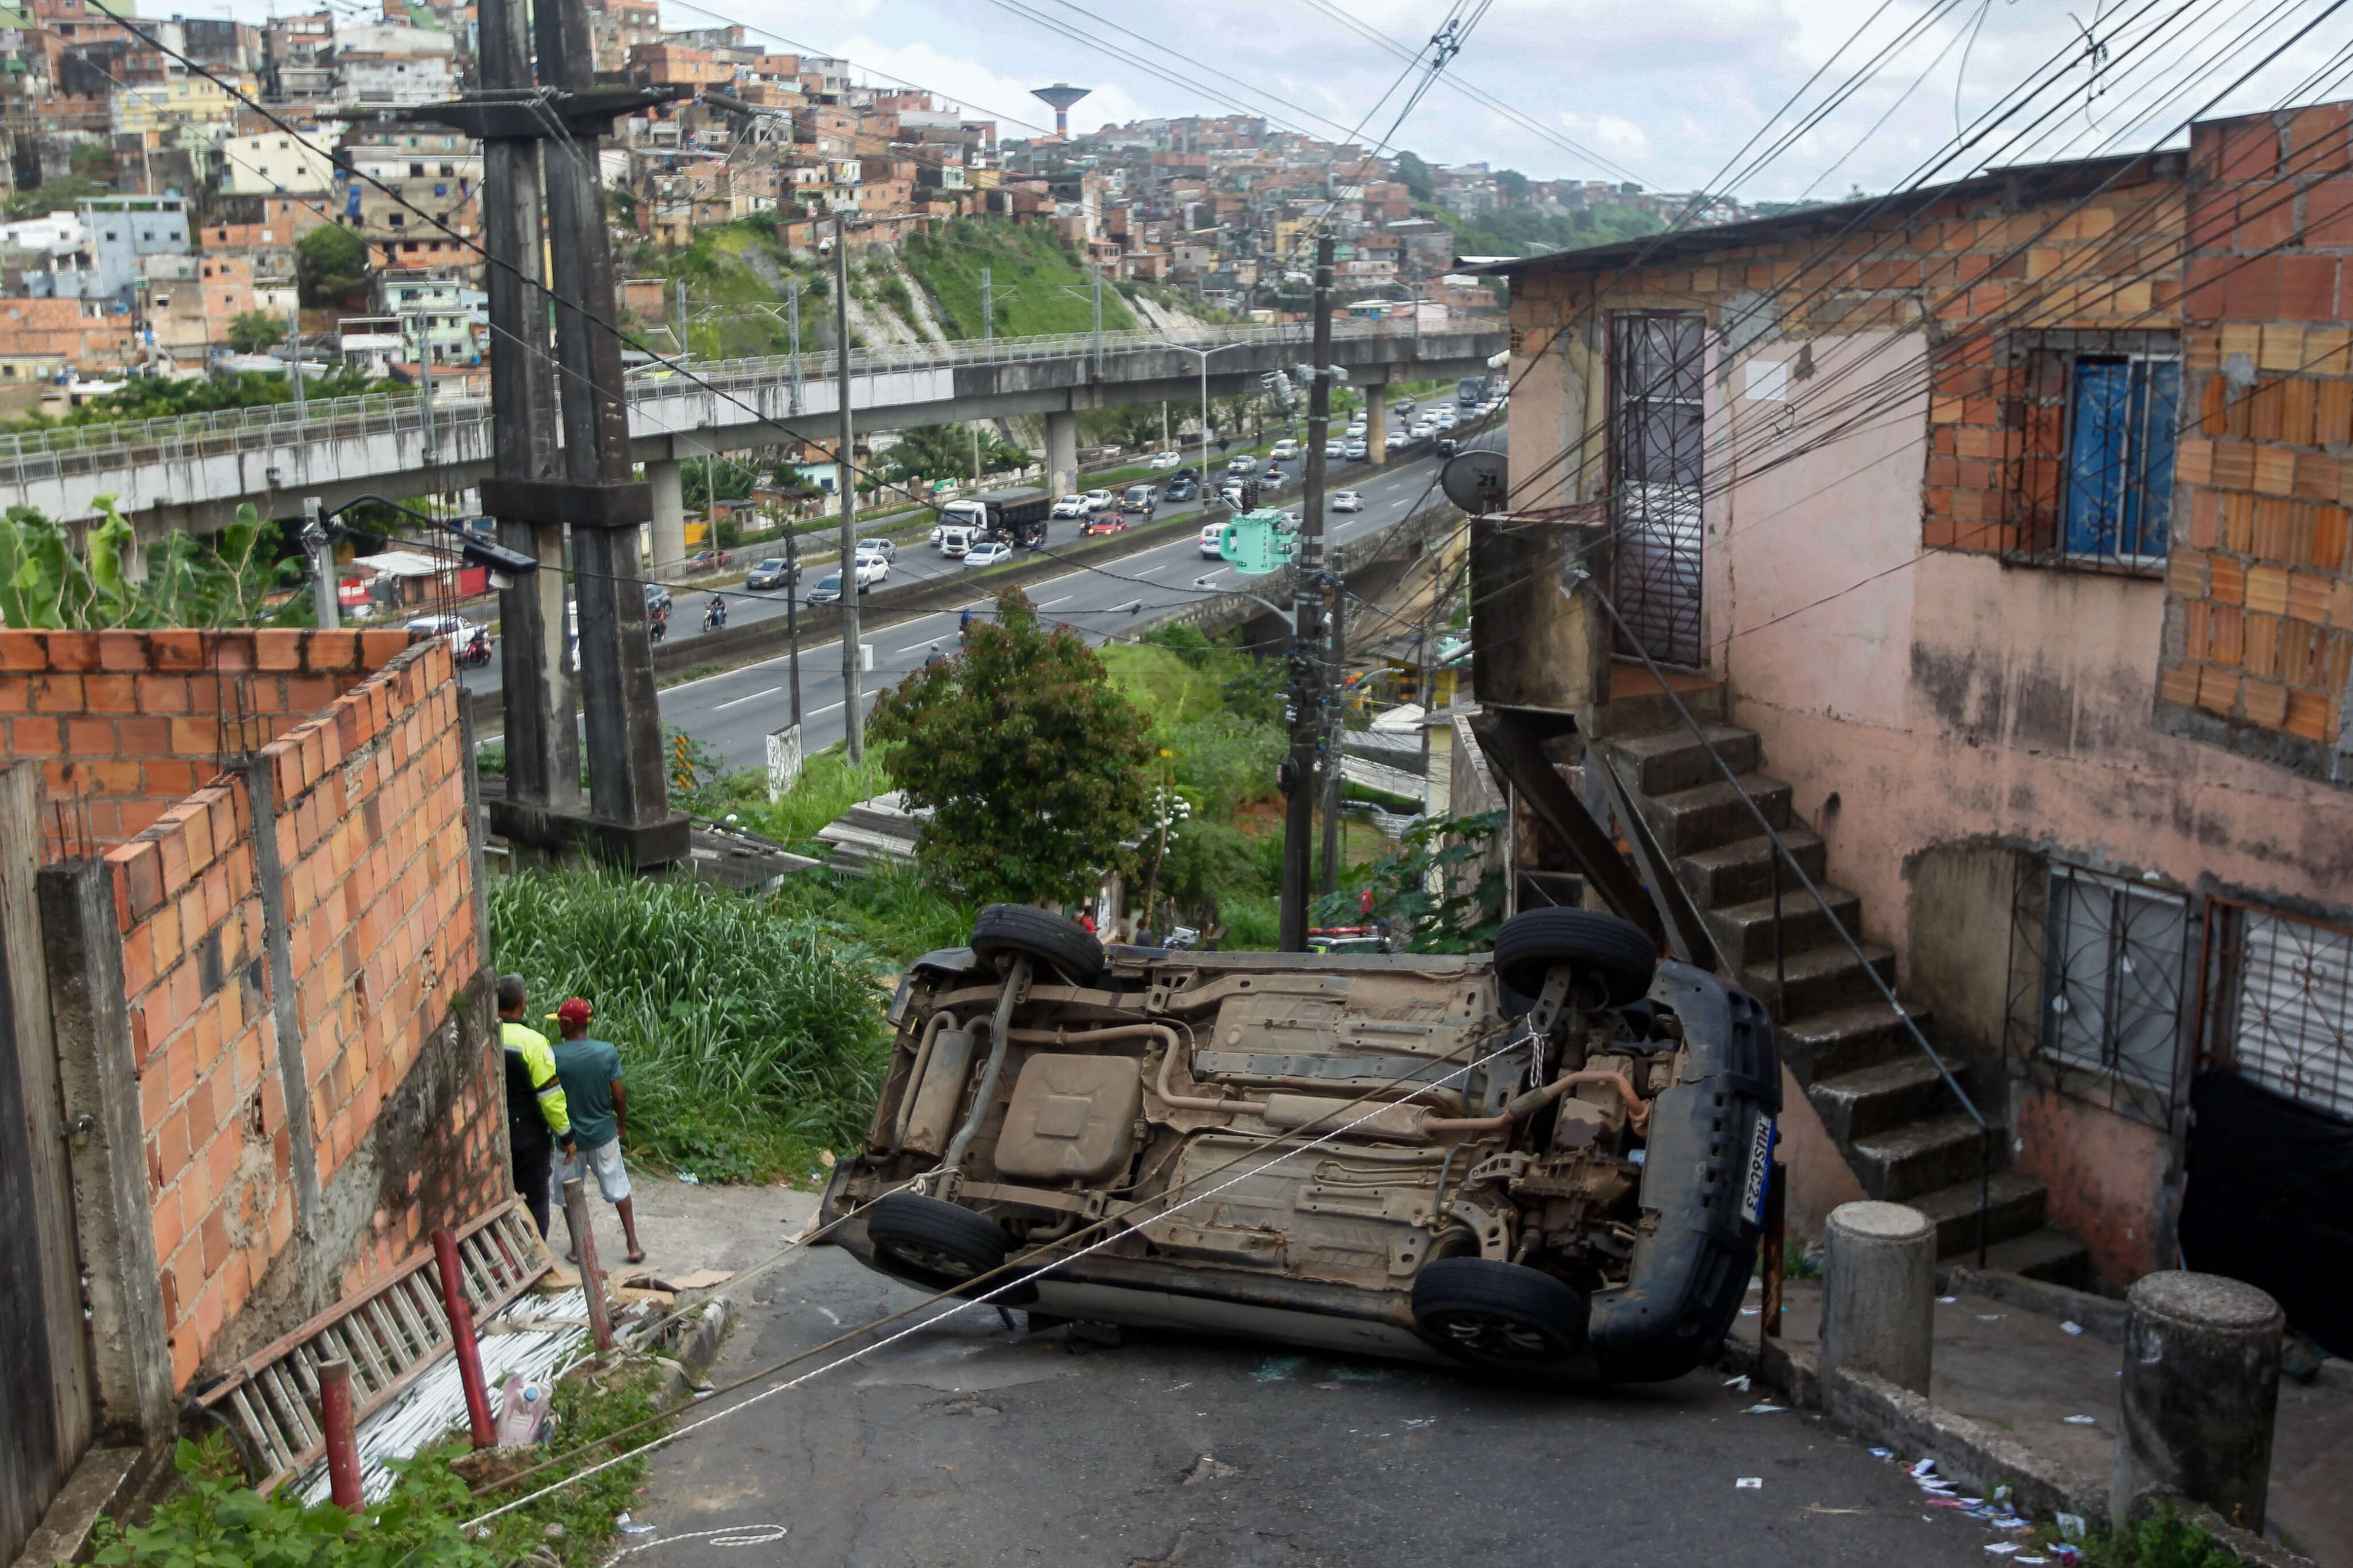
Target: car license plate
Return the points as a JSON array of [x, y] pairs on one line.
[[1760, 1171]]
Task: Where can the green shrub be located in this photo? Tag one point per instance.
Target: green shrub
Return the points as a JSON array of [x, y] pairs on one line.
[[750, 1031], [213, 1522]]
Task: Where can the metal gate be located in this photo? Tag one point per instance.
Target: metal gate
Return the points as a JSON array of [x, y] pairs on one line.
[[2278, 1007], [46, 1410], [1656, 469]]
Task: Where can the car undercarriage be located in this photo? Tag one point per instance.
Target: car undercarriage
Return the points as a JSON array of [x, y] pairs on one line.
[[1546, 1160]]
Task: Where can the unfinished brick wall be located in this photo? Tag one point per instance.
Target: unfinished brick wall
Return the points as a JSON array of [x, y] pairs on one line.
[[263, 1213], [127, 723], [2259, 602], [2065, 247]]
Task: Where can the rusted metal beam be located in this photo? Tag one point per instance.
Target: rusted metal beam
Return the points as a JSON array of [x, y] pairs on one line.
[[1510, 741]]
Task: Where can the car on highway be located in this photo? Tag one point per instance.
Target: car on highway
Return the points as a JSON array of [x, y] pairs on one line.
[[775, 571], [1547, 1162], [873, 569], [1356, 428], [1071, 505], [992, 552], [1446, 418], [1233, 496], [1356, 451], [1186, 472], [1447, 446], [457, 628], [1181, 489], [1100, 501], [656, 597], [1283, 449], [1212, 536], [1347, 500], [1335, 448], [1164, 460], [1404, 406], [708, 561], [1140, 500], [883, 547], [1393, 441], [1244, 463], [1104, 522]]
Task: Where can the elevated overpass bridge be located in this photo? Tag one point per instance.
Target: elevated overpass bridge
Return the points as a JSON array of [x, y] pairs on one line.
[[193, 472]]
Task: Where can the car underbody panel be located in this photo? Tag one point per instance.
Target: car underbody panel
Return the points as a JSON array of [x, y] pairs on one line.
[[1391, 1154]]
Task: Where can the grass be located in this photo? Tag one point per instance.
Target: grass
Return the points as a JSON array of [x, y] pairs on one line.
[[1037, 287], [750, 1029]]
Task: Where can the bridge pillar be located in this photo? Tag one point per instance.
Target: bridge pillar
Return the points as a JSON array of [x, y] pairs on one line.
[[1376, 422], [668, 480], [1062, 451]]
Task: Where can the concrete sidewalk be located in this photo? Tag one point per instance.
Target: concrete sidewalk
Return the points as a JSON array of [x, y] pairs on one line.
[[2006, 1360]]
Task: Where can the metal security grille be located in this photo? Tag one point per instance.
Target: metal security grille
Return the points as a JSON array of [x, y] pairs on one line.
[[2278, 1007], [1656, 380], [2099, 980], [2097, 420]]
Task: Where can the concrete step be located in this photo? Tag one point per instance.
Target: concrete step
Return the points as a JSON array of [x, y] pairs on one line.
[[1740, 870], [2014, 1207], [1709, 816], [1637, 706], [1843, 1038], [1744, 933], [1671, 760], [1819, 978], [1899, 1163], [1883, 1097], [2045, 1254]]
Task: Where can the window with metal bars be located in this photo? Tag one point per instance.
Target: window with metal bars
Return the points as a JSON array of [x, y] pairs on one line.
[[2098, 984], [2095, 423], [2278, 1002], [1657, 364]]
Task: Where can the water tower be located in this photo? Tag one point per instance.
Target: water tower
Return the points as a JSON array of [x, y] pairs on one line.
[[1061, 95]]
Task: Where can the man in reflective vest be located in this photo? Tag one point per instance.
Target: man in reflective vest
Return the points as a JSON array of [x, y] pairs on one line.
[[537, 1118]]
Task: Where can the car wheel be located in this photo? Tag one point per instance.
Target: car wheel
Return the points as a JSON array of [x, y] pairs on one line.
[[1498, 1316], [1004, 929], [1614, 951], [936, 1244]]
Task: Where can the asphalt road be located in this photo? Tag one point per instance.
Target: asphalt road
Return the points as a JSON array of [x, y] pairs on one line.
[[734, 712], [970, 1446]]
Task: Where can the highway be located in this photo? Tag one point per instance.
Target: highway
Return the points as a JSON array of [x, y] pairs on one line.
[[734, 712]]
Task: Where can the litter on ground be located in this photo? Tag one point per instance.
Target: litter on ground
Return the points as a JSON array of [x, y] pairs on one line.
[[2071, 1327], [1764, 1410], [2081, 1420]]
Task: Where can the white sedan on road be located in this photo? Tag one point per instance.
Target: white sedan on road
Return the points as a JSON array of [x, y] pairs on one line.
[[1210, 538], [1071, 505], [988, 553], [1100, 501], [1347, 500]]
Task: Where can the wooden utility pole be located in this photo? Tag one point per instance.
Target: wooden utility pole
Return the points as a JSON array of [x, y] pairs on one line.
[[1307, 682], [853, 696]]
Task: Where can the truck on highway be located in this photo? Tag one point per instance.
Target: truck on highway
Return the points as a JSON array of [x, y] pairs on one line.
[[1016, 516]]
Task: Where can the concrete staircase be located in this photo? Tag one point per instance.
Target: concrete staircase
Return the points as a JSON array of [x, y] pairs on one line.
[[1903, 1130]]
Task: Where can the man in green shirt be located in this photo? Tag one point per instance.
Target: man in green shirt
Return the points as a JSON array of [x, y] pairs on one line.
[[536, 1115], [590, 1070]]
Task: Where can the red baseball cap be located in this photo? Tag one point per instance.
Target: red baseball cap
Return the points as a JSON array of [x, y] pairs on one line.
[[574, 1011]]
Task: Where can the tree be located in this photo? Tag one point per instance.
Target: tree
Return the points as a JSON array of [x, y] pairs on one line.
[[233, 579], [334, 263], [1415, 174], [251, 332], [1513, 185], [1031, 762]]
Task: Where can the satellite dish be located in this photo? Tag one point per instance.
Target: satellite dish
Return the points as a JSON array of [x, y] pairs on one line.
[[1474, 481]]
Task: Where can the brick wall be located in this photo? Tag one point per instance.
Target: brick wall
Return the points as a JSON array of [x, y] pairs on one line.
[[2048, 249], [2259, 611], [392, 1046]]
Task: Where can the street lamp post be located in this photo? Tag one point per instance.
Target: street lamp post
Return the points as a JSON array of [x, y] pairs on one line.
[[1203, 356]]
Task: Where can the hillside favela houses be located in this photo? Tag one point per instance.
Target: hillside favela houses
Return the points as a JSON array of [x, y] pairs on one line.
[[1997, 536]]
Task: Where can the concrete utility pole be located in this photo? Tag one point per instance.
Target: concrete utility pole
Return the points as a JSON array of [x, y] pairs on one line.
[[987, 308], [542, 736], [793, 318], [1307, 683], [294, 357], [792, 611], [326, 609], [853, 696]]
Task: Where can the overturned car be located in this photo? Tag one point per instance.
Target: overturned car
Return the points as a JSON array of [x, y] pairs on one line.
[[1549, 1160]]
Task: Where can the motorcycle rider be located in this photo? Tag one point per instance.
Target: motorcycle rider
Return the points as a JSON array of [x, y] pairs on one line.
[[715, 613], [658, 623]]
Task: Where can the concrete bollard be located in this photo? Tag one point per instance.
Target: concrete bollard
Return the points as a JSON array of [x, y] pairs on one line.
[[1879, 1293], [2199, 1390]]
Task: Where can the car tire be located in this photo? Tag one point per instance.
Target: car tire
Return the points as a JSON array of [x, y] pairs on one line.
[[1612, 950], [938, 1245], [1499, 1317], [1004, 929]]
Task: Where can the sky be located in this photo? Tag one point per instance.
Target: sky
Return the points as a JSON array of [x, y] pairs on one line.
[[1768, 99]]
